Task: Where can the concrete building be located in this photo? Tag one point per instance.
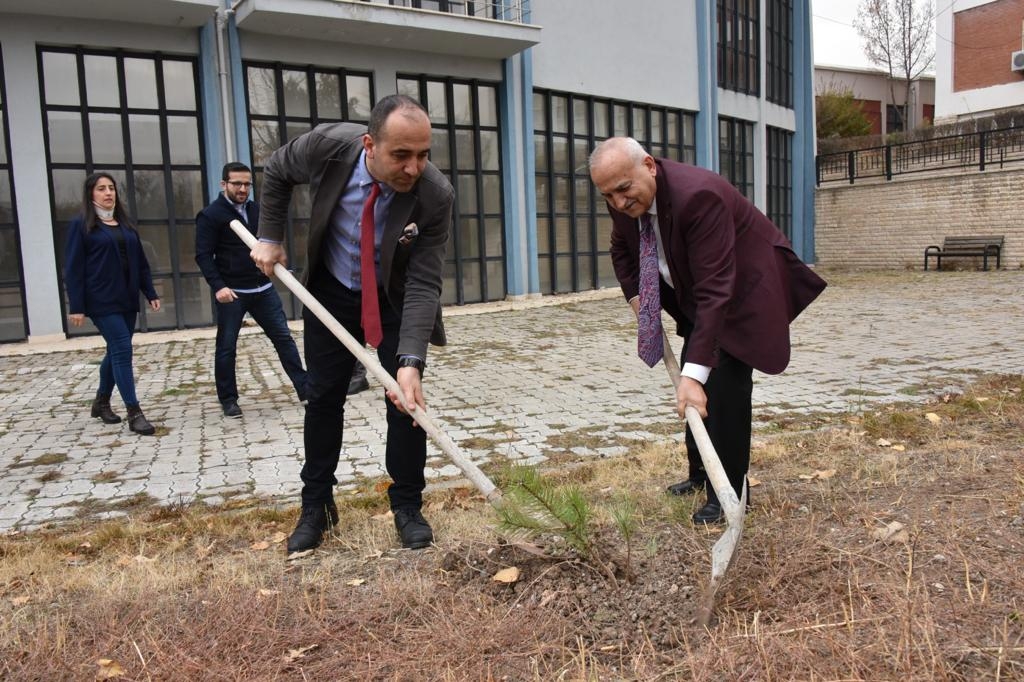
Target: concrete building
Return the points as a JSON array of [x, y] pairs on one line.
[[979, 58], [880, 96], [162, 92]]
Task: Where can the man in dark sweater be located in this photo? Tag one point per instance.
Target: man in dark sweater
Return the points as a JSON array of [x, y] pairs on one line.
[[239, 286]]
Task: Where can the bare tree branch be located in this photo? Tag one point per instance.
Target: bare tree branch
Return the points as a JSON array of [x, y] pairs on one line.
[[897, 37]]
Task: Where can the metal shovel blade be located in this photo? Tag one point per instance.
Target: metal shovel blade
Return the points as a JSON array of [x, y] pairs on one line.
[[443, 441], [735, 508]]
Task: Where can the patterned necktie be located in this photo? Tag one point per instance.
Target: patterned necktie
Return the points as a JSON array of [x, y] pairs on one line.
[[371, 309], [649, 344]]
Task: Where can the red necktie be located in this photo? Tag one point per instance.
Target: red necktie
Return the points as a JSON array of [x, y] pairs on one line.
[[371, 309]]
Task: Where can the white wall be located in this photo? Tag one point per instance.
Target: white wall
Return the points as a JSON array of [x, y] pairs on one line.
[[612, 49]]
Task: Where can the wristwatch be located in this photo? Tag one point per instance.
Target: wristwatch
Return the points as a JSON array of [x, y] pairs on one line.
[[412, 361]]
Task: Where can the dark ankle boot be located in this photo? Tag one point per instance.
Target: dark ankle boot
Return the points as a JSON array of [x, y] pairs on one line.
[[138, 423], [101, 409]]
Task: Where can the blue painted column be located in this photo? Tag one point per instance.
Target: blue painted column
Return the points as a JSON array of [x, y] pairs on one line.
[[707, 79], [519, 189], [241, 116], [804, 135], [213, 118]]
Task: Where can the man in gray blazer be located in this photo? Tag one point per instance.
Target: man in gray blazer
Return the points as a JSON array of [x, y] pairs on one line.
[[361, 179]]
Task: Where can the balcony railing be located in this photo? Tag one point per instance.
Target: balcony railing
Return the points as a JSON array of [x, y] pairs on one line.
[[980, 150], [502, 10]]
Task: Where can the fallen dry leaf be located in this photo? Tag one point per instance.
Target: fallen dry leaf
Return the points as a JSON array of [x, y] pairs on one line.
[[268, 593], [881, 442], [278, 538], [820, 474], [899, 448], [385, 516], [752, 482], [142, 559], [933, 418], [109, 669], [20, 601], [356, 582], [507, 575], [296, 654], [260, 546], [893, 533]]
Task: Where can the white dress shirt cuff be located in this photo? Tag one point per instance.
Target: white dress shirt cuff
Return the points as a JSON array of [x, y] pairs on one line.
[[696, 372]]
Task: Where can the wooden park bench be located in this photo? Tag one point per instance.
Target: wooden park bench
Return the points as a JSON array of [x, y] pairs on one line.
[[966, 247]]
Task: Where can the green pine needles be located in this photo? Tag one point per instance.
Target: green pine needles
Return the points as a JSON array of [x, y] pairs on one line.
[[533, 506]]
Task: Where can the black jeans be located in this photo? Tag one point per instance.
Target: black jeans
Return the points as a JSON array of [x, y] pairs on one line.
[[265, 308], [330, 370], [729, 390]]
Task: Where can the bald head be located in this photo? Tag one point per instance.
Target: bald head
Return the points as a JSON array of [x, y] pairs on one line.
[[625, 174]]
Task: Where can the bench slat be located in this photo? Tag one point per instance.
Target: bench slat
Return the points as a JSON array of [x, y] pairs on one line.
[[981, 246]]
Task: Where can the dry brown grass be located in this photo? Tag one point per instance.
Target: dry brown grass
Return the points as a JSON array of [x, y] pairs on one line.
[[188, 592]]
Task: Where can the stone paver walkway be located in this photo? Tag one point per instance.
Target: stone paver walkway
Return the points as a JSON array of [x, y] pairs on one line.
[[549, 378]]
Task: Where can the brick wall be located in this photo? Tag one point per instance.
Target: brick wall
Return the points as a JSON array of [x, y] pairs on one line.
[[881, 224], [984, 37]]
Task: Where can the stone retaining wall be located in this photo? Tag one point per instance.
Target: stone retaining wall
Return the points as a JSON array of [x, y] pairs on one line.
[[877, 224]]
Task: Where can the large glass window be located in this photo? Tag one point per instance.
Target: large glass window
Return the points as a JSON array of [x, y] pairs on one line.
[[573, 225], [285, 101], [779, 30], [736, 153], [466, 147], [13, 325], [137, 117], [739, 45], [780, 179]]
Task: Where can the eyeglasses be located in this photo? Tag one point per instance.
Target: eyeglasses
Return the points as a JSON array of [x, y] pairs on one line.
[[235, 183]]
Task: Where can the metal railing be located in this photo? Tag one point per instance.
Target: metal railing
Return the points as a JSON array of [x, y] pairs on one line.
[[502, 10], [980, 150]]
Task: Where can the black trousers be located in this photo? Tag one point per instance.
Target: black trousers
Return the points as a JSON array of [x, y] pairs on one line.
[[729, 389], [329, 365]]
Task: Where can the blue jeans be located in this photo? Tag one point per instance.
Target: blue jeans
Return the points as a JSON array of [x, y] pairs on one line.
[[265, 308], [116, 369]]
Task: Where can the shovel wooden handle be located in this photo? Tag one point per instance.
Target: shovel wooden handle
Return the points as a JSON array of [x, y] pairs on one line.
[[709, 456], [443, 441]]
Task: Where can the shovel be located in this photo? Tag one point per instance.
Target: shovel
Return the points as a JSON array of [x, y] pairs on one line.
[[735, 508], [447, 445]]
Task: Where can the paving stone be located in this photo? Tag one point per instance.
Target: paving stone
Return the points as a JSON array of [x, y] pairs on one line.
[[573, 370]]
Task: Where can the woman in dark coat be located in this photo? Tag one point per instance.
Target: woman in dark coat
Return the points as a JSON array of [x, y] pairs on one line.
[[104, 271]]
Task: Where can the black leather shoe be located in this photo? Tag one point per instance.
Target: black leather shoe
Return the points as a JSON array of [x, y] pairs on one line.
[[358, 385], [232, 410], [413, 529], [314, 521], [101, 408], [690, 485], [711, 512], [137, 421]]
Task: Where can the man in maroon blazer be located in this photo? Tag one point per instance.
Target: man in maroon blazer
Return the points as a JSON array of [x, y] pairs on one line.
[[728, 277]]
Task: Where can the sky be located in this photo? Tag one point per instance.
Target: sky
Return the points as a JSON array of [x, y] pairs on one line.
[[836, 42]]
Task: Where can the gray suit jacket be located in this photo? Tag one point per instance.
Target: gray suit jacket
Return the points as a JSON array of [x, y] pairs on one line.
[[324, 158]]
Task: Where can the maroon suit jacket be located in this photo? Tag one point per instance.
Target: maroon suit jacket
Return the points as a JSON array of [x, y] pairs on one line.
[[738, 283]]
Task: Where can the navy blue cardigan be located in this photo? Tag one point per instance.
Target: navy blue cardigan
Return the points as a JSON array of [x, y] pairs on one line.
[[93, 276], [223, 257]]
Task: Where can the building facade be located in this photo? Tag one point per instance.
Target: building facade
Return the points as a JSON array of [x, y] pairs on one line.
[[979, 58], [161, 93], [879, 96]]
